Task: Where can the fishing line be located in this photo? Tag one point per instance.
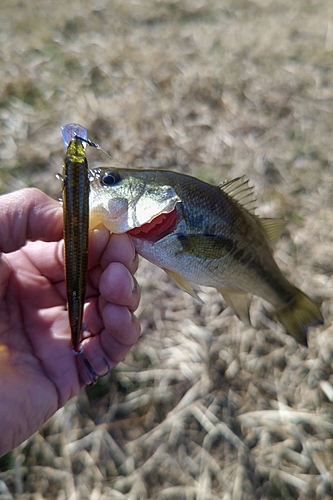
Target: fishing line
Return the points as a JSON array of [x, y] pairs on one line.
[[97, 146]]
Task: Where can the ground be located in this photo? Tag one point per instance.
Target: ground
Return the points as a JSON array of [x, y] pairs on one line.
[[203, 408]]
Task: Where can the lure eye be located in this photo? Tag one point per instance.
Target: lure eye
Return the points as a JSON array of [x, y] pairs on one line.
[[110, 178]]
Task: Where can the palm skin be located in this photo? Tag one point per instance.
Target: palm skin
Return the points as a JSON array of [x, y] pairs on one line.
[[39, 372]]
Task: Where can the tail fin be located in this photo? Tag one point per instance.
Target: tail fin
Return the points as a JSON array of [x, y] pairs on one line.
[[297, 316]]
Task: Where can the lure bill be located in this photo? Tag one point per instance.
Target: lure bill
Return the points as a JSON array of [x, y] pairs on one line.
[[75, 195]]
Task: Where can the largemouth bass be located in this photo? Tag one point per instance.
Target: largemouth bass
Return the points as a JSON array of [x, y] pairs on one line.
[[202, 234], [75, 196]]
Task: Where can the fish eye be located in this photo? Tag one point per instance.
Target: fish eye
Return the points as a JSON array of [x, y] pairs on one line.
[[110, 178]]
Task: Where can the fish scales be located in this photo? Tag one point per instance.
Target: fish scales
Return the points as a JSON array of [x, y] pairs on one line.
[[215, 239]]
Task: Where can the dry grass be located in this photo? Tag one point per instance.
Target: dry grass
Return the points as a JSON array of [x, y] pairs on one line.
[[203, 407]]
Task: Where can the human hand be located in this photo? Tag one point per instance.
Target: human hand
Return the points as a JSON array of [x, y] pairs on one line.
[[39, 371]]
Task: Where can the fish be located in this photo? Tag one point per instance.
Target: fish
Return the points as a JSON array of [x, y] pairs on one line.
[[202, 235], [75, 198]]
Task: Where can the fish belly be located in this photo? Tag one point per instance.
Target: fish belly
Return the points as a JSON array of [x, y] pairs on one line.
[[223, 273], [167, 254]]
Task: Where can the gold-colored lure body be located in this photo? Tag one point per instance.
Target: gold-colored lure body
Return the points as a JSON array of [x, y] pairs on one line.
[[75, 195]]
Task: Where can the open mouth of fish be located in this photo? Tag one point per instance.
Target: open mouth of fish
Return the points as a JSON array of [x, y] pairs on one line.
[[161, 225]]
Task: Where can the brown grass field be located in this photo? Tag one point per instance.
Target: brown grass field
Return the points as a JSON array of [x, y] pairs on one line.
[[203, 408]]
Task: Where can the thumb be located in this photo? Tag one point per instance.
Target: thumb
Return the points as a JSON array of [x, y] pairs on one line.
[[28, 214]]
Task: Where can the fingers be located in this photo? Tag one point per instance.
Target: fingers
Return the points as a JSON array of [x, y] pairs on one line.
[[103, 250], [111, 320], [28, 214], [117, 285], [120, 249], [122, 324], [122, 331]]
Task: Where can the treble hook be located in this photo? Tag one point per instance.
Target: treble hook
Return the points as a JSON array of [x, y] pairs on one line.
[[93, 375]]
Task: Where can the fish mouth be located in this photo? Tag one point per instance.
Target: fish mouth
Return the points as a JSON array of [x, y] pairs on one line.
[[160, 226]]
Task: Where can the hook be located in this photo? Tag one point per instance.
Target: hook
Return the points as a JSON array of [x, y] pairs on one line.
[[92, 374]]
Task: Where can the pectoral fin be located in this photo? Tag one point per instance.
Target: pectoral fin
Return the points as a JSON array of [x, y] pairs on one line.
[[185, 285], [239, 303], [204, 246]]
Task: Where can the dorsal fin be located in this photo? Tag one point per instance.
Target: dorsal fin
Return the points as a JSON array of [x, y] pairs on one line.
[[273, 228], [241, 192]]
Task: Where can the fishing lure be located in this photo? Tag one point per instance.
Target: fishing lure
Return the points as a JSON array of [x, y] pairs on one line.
[[75, 195]]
